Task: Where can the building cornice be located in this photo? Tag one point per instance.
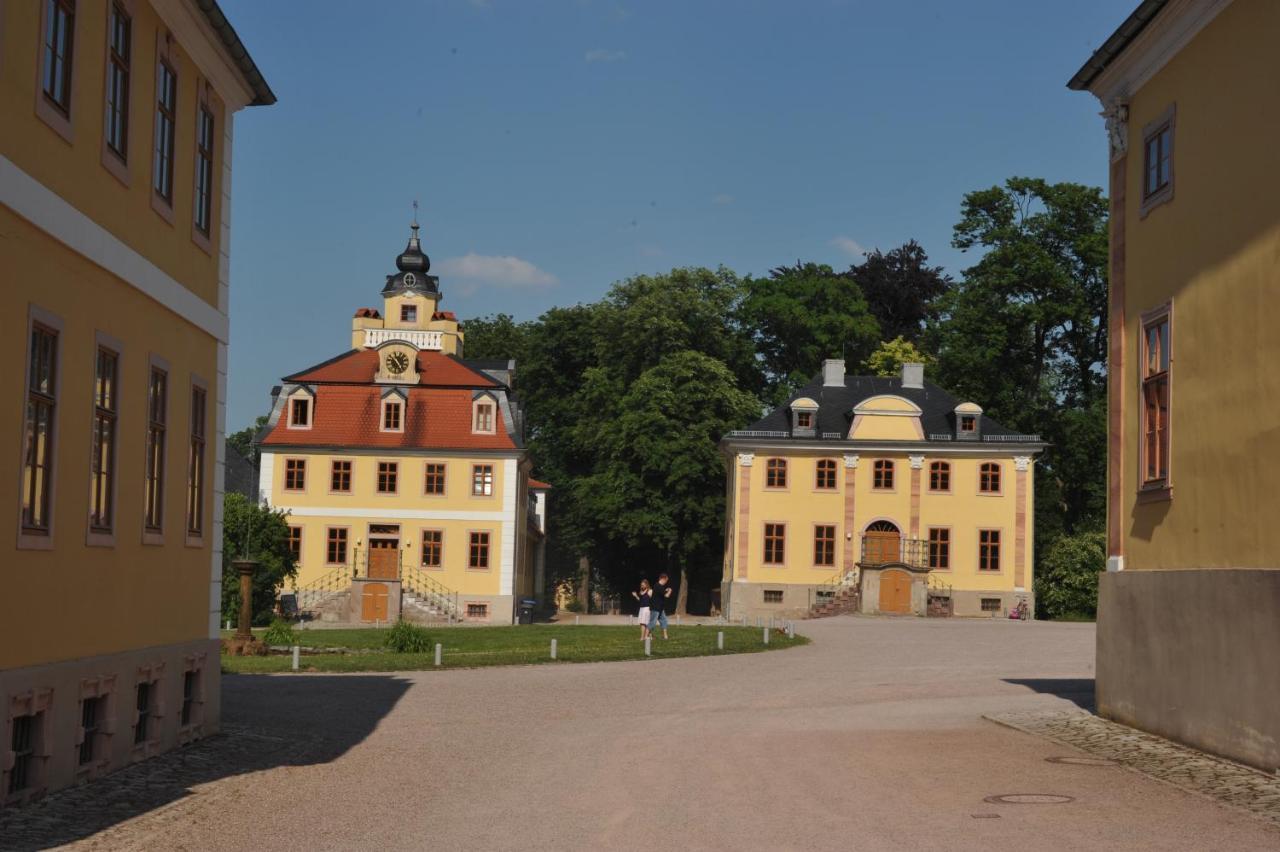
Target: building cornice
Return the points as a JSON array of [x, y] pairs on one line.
[[952, 448], [390, 452]]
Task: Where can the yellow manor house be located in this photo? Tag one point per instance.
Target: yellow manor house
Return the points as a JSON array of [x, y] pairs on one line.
[[1189, 609], [403, 470], [115, 196], [887, 495]]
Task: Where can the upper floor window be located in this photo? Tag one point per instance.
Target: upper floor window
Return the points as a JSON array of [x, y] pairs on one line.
[[204, 170], [195, 463], [482, 480], [157, 423], [295, 474], [775, 473], [392, 419], [882, 474], [433, 482], [299, 413], [989, 478], [119, 58], [103, 464], [939, 476], [59, 37], [484, 417], [408, 313], [388, 474], [1158, 160], [166, 124], [340, 476], [825, 474], [1156, 358], [37, 469]]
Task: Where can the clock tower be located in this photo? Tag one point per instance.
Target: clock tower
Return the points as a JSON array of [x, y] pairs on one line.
[[410, 312]]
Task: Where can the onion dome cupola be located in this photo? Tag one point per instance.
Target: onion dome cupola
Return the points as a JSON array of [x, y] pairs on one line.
[[413, 265]]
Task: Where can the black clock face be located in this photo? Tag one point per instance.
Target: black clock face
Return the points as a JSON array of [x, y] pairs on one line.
[[397, 362]]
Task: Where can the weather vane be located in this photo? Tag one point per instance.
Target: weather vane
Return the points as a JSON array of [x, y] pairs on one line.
[[415, 211]]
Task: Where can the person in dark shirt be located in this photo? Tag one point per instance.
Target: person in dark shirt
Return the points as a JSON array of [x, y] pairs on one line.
[[645, 597], [663, 603]]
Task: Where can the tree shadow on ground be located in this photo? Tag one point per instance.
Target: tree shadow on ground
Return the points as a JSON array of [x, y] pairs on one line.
[[1079, 690], [267, 722]]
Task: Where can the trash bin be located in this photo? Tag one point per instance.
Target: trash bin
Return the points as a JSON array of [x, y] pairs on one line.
[[526, 610]]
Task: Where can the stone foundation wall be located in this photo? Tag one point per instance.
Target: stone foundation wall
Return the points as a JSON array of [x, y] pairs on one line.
[[1194, 656], [54, 692]]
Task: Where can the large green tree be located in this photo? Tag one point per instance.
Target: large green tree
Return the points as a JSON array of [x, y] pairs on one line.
[[260, 534], [496, 336], [1024, 333], [803, 314]]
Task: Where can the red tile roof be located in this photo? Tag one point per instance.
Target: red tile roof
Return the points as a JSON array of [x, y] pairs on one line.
[[350, 416], [538, 485], [435, 369]]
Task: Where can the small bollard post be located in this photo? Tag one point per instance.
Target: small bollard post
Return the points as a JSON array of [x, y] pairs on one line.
[[766, 636], [575, 620], [296, 652], [677, 619], [553, 649], [647, 649], [719, 640], [439, 651], [228, 624]]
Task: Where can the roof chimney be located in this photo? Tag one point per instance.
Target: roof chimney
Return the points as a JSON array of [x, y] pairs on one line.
[[833, 373], [913, 375]]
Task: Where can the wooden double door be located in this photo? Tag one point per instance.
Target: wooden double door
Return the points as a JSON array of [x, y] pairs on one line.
[[895, 592], [384, 559]]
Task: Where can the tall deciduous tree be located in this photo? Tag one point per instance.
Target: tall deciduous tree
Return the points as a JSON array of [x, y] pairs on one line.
[[801, 315], [261, 534], [496, 336], [901, 289], [1025, 333]]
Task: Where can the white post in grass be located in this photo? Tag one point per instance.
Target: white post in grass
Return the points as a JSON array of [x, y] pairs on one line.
[[677, 619], [439, 651], [766, 636], [553, 649], [647, 650], [228, 624], [575, 620], [720, 640], [296, 652]]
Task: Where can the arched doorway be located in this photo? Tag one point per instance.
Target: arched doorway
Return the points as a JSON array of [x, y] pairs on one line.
[[895, 591], [881, 543]]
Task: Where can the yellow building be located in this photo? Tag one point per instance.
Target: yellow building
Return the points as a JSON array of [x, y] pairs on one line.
[[115, 179], [882, 494], [403, 470], [1189, 610]]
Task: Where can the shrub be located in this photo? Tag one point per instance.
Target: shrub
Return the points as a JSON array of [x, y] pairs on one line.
[[1067, 584], [280, 633], [406, 638], [574, 605]]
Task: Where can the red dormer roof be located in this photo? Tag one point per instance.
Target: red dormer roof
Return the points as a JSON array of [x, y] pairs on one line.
[[351, 416], [359, 366], [538, 485]]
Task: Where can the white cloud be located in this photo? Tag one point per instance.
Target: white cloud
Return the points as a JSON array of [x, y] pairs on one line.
[[501, 270], [849, 246], [602, 55], [722, 198]]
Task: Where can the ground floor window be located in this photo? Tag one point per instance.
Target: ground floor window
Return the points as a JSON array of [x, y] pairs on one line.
[[824, 545], [939, 548], [22, 743], [478, 557], [91, 716], [775, 544], [432, 548], [145, 707], [988, 550], [190, 686]]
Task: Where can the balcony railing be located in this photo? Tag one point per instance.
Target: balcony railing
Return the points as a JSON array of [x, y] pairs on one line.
[[432, 340], [884, 550]]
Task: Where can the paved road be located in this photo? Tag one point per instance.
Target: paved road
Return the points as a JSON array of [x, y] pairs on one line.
[[871, 738]]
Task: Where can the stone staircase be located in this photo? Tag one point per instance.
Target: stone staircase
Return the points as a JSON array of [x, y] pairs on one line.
[[424, 611], [838, 596]]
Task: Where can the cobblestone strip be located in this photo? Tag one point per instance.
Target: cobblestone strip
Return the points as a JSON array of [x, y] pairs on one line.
[[1222, 780], [131, 808]]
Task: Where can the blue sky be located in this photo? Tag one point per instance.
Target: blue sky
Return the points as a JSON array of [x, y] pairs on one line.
[[558, 146]]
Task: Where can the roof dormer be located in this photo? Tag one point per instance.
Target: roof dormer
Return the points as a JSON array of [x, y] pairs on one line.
[[395, 408], [804, 418], [300, 404], [968, 417]]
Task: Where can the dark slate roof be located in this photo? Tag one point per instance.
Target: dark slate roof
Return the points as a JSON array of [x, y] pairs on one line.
[[262, 94], [241, 478], [1116, 44], [836, 404]]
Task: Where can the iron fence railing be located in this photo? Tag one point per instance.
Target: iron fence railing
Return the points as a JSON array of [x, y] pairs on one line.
[[431, 591], [750, 433], [887, 550], [311, 596]]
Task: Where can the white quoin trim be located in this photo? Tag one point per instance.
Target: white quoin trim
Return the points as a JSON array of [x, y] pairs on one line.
[[266, 467], [507, 570]]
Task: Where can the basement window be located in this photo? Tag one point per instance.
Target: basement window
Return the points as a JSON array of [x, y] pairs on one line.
[[990, 604], [22, 744], [773, 596], [477, 610]]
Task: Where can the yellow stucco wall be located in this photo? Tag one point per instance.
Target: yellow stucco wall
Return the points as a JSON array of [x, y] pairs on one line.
[[801, 506], [75, 171], [1214, 250], [874, 427], [372, 507], [74, 600]]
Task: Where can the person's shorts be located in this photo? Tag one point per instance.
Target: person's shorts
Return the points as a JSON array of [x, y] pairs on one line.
[[658, 618], [643, 615]]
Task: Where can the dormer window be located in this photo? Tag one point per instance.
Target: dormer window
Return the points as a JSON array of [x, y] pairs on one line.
[[300, 414], [483, 419], [408, 313], [968, 423], [392, 416], [804, 419]]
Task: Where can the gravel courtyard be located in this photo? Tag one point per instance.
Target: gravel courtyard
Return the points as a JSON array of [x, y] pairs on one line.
[[870, 738]]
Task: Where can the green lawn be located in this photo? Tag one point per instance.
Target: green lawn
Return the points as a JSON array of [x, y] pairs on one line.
[[466, 647]]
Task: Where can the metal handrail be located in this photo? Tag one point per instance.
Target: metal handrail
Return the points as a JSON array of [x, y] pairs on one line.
[[436, 594], [313, 594]]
